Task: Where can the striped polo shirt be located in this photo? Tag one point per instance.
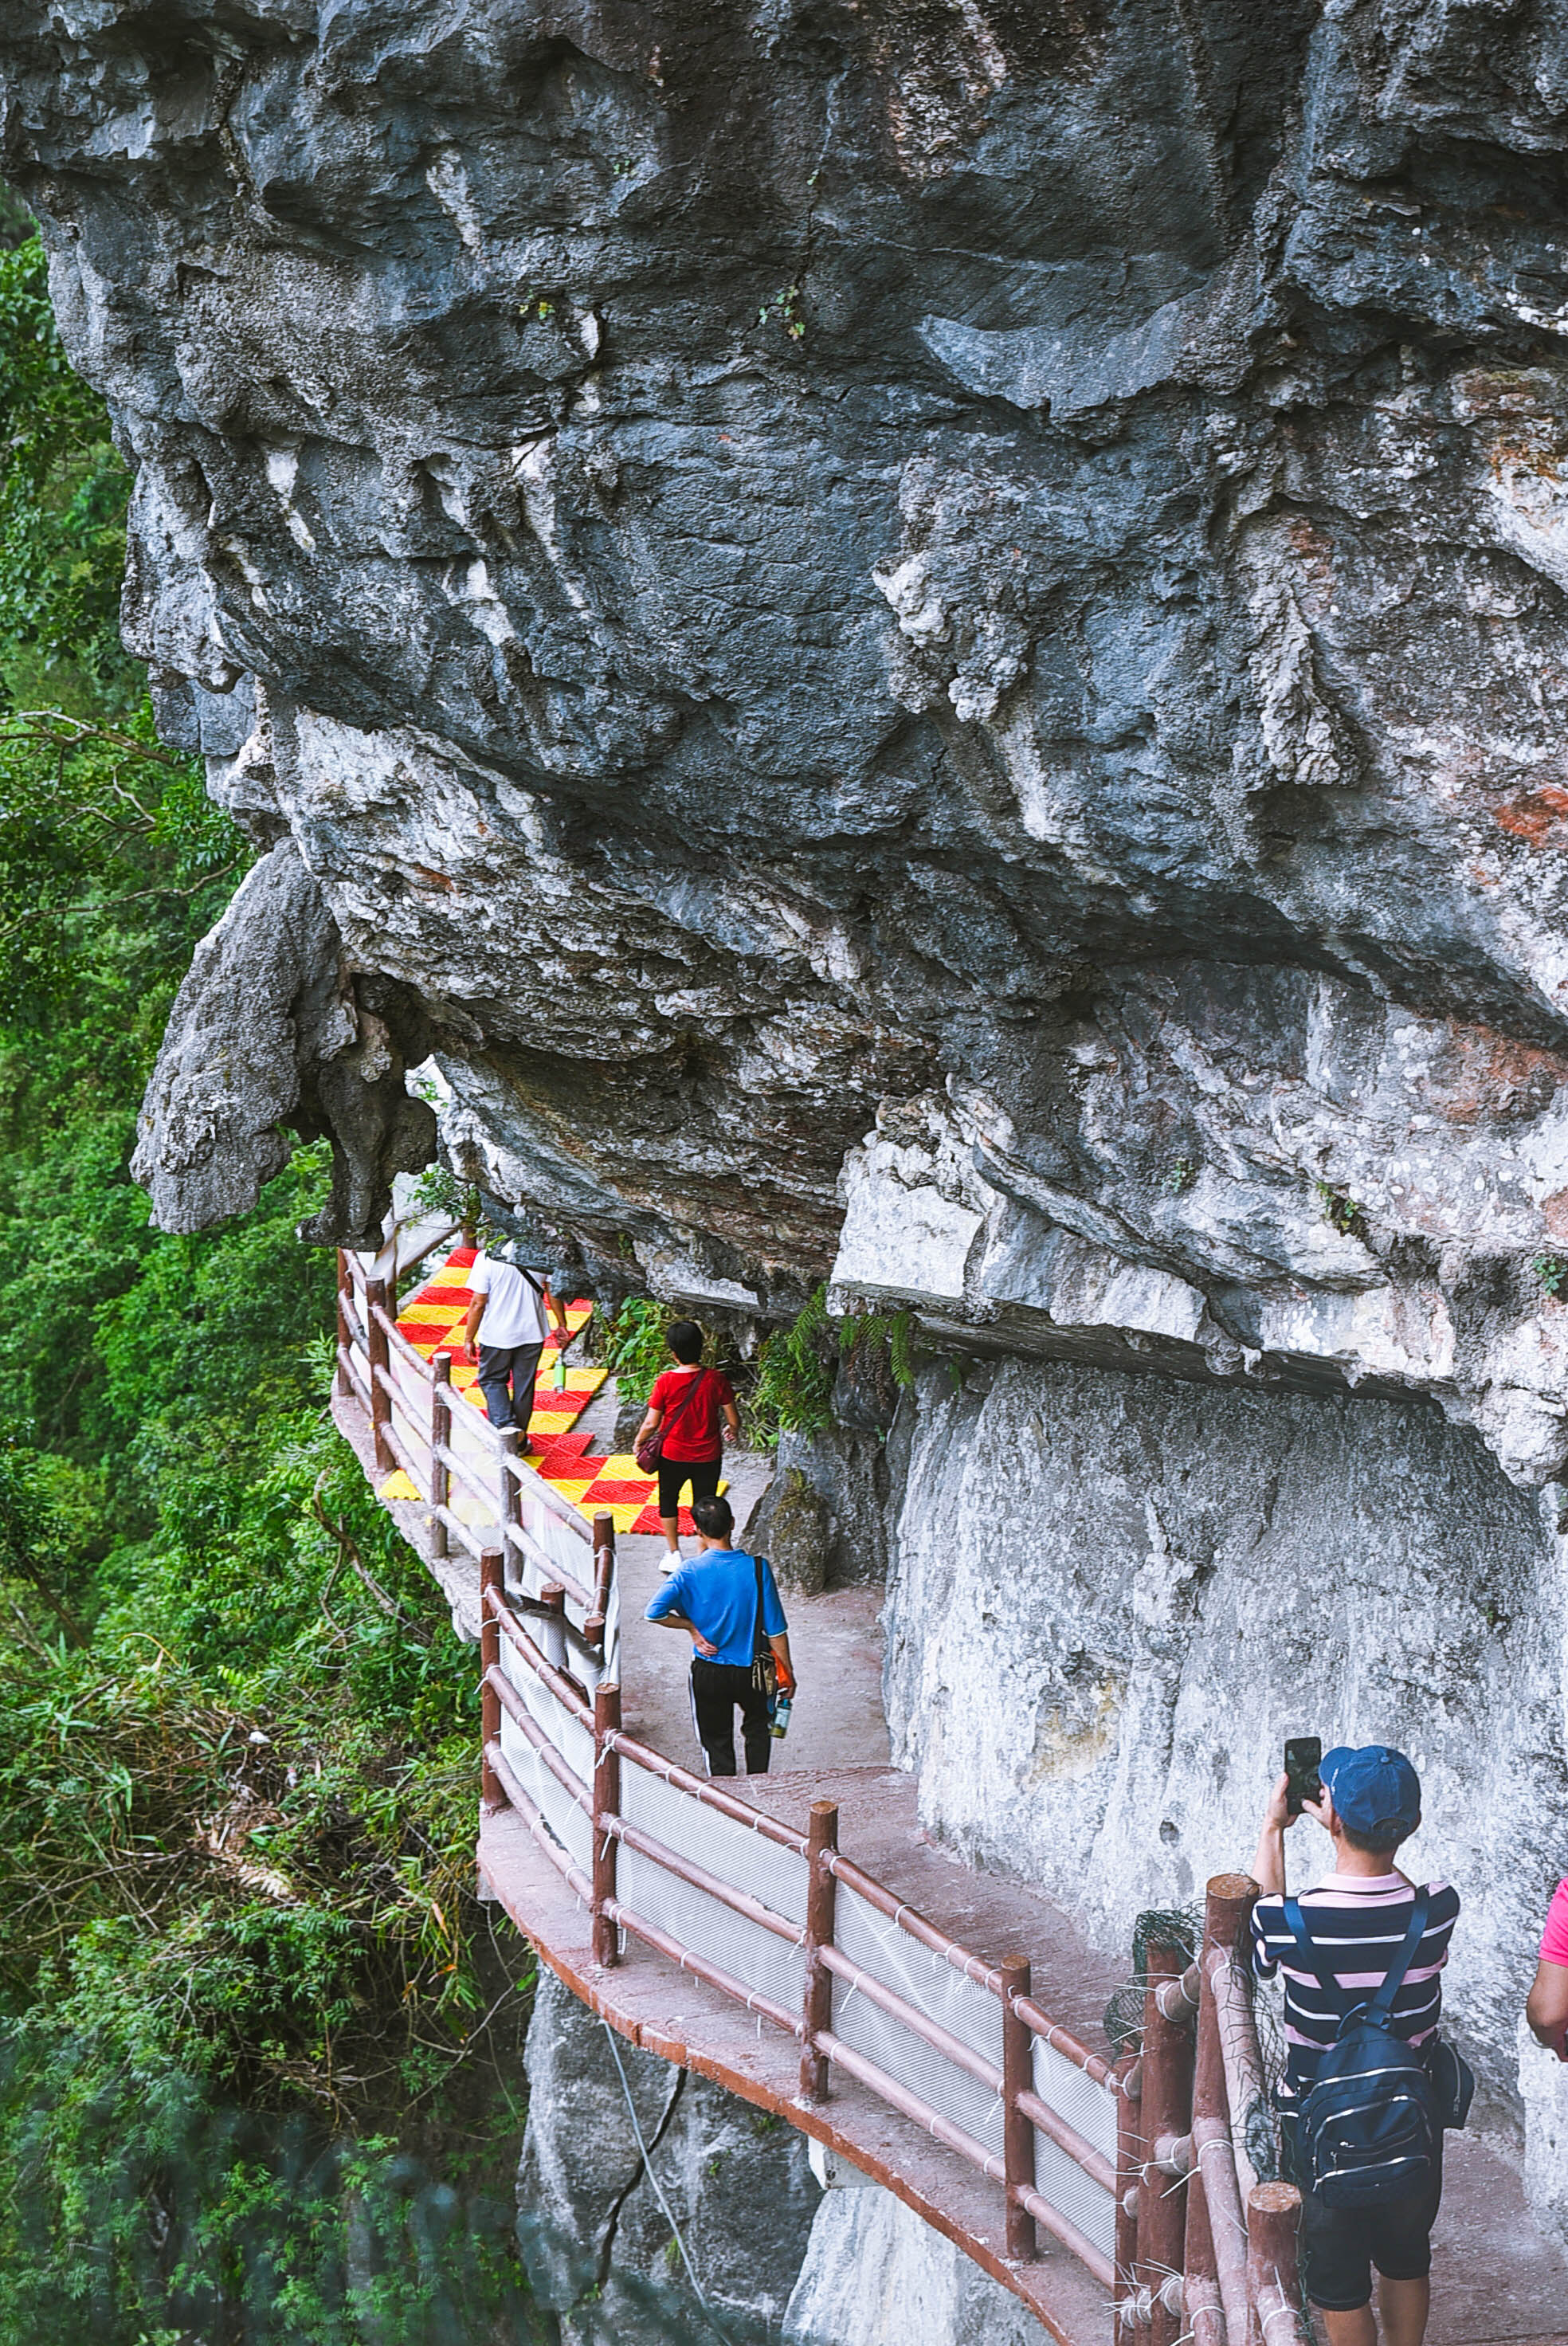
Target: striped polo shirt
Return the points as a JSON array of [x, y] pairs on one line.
[[1358, 1922]]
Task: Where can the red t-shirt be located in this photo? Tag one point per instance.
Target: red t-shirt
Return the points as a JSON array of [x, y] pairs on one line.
[[694, 1438]]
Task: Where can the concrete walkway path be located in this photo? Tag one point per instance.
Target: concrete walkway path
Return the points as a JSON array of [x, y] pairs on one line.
[[1496, 2280]]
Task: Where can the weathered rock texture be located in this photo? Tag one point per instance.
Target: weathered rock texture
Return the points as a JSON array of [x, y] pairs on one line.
[[270, 1028], [994, 573], [1114, 1597], [598, 2238], [932, 634], [874, 2274]]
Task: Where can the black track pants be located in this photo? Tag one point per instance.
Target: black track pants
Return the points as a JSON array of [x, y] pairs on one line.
[[717, 1690]]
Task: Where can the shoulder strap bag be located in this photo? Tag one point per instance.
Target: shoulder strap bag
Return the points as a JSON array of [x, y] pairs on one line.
[[649, 1452], [1370, 2128], [764, 1667], [1378, 2007]]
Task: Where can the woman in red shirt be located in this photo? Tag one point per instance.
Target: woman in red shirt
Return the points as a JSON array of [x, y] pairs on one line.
[[693, 1410]]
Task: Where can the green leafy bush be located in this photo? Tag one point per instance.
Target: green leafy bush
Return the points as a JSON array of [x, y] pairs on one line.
[[798, 1366], [635, 1351], [258, 2040]]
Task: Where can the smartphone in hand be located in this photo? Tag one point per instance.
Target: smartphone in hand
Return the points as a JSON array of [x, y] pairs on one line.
[[1303, 1757]]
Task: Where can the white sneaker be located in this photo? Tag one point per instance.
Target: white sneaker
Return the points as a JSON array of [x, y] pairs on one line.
[[672, 1563]]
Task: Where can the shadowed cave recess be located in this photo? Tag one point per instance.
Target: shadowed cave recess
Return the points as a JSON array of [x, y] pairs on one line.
[[925, 645]]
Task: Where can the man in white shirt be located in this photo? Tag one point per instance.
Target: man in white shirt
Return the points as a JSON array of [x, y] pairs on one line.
[[509, 1304]]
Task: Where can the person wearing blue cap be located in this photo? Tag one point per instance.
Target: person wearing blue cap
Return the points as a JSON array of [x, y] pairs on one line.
[[1357, 1920]]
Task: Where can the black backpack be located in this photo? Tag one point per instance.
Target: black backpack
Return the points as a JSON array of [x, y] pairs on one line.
[[1370, 2125]]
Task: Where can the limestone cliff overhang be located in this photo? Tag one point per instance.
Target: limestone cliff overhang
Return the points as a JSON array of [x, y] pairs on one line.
[[1355, 1213]]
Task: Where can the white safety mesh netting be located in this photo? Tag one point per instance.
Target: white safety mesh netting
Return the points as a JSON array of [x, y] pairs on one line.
[[876, 1944], [1091, 2110], [570, 1739], [747, 1860], [879, 1947], [411, 1413]]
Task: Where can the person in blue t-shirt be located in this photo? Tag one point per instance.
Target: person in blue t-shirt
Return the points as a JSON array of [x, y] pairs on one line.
[[713, 1597]]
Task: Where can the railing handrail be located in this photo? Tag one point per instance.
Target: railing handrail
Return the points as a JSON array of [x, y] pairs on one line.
[[416, 1361], [953, 2048], [539, 1489], [493, 1601], [507, 1642]]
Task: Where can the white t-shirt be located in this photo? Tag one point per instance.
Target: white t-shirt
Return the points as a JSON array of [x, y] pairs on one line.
[[514, 1309]]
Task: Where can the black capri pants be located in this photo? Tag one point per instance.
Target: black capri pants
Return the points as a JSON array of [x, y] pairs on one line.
[[674, 1474], [1340, 2246]]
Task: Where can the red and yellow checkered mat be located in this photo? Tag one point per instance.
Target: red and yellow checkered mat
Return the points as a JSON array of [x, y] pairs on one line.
[[433, 1321]]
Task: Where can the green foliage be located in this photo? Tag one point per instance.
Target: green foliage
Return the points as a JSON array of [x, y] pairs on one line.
[[141, 2212], [1552, 1270], [896, 1330], [91, 814], [798, 1366], [63, 492], [788, 307], [256, 2037], [633, 1344], [1342, 1213]]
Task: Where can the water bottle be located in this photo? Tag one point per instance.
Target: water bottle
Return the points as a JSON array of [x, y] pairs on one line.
[[782, 1718]]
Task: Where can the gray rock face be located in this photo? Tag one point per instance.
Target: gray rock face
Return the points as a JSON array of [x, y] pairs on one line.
[[874, 2274], [597, 2239], [1114, 1597], [930, 640], [803, 561], [823, 1520], [269, 1028]]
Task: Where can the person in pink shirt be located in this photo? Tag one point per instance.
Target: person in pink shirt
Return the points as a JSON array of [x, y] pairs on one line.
[[1547, 2008]]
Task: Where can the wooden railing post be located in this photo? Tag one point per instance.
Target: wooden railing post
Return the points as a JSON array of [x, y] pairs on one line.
[[380, 1366], [822, 1901], [551, 1625], [340, 1383], [1273, 2215], [1129, 2167], [440, 1440], [1207, 2200], [491, 1583], [1232, 1899], [1167, 2111], [510, 1516], [1017, 2130], [607, 1807], [604, 1577], [1216, 2231]]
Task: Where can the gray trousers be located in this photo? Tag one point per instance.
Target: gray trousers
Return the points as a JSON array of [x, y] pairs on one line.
[[506, 1374]]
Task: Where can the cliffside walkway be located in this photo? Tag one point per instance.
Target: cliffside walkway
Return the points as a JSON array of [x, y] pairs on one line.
[[794, 1938]]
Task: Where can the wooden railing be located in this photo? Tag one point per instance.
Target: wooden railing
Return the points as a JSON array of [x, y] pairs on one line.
[[786, 1925], [1205, 2247], [1140, 2170], [480, 1492]]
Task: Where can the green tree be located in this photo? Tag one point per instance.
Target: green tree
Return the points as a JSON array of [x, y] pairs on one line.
[[257, 2042]]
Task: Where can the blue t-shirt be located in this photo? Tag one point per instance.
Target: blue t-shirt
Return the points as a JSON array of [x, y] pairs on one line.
[[717, 1591]]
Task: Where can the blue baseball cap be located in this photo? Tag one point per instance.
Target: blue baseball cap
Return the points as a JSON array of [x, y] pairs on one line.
[[1375, 1790]]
